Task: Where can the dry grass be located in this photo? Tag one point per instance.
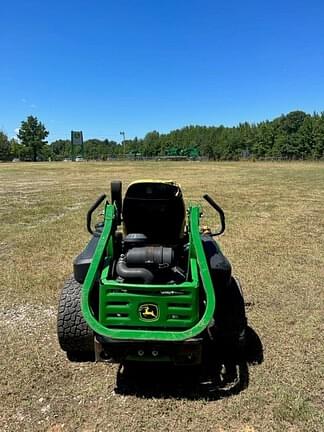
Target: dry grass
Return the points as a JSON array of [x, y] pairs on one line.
[[275, 237]]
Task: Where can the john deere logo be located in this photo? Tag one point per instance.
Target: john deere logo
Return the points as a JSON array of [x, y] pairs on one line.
[[149, 312]]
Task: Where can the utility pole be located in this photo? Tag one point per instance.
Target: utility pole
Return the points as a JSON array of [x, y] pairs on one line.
[[124, 143]]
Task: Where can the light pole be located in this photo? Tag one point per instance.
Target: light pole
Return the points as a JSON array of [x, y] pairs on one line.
[[123, 134]]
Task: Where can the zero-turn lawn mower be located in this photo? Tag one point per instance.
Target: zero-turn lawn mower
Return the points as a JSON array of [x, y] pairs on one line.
[[151, 285]]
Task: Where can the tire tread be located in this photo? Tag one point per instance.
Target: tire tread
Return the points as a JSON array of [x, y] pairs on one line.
[[74, 335]]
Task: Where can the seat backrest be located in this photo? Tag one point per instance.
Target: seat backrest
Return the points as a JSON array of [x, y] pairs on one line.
[[155, 209]]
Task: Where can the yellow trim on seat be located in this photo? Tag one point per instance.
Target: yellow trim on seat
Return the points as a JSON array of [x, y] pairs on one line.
[[170, 182]]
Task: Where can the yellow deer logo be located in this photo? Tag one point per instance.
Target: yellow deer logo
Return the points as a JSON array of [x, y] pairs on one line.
[[149, 312]]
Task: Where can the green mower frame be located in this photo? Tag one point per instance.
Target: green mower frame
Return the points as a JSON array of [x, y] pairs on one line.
[[112, 292]]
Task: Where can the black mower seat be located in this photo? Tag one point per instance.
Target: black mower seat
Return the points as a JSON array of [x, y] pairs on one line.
[[155, 209]]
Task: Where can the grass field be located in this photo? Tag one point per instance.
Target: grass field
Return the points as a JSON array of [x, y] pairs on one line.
[[275, 240]]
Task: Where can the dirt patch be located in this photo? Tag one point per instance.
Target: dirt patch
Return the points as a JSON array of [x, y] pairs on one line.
[[28, 318]]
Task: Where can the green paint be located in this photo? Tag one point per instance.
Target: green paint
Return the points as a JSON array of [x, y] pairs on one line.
[[124, 299], [129, 297]]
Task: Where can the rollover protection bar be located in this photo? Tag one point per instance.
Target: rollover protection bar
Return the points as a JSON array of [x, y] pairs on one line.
[[104, 251]]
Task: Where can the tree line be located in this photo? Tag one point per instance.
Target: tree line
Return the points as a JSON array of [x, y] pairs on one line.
[[296, 135]]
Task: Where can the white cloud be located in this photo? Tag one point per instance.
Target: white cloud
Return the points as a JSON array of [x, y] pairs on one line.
[[16, 130]]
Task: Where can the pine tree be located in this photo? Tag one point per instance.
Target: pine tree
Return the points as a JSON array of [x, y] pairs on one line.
[[31, 135]]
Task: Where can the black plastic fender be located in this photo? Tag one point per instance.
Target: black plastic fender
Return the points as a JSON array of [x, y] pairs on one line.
[[82, 262]]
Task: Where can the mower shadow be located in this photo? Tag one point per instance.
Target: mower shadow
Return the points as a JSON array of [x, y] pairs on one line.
[[254, 347], [212, 380]]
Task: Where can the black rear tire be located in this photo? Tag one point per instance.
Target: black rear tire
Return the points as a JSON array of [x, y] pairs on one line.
[[230, 321], [74, 335]]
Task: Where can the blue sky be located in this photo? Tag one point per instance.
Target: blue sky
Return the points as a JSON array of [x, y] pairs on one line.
[[107, 66]]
